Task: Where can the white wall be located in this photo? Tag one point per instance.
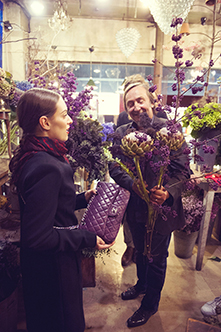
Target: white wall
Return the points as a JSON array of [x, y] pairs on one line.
[[73, 44]]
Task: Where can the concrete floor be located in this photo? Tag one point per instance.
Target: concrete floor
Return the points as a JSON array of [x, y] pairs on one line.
[[184, 292]]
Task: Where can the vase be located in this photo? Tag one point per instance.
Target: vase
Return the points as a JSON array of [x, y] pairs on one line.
[[184, 243], [209, 159]]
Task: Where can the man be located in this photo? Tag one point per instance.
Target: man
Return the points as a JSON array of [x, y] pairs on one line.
[[150, 273]]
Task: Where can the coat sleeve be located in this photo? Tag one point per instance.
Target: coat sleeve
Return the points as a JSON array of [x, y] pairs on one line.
[[179, 172], [116, 172], [81, 202], [40, 190]]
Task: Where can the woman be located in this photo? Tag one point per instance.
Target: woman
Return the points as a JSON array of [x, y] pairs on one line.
[[50, 247]]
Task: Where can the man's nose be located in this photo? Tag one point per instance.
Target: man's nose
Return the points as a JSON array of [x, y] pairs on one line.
[[136, 106]]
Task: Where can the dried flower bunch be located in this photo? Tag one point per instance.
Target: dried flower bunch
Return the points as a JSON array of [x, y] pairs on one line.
[[85, 147], [7, 85], [9, 269], [193, 209]]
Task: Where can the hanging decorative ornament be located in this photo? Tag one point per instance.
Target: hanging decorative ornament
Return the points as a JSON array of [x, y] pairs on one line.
[[164, 11], [127, 39]]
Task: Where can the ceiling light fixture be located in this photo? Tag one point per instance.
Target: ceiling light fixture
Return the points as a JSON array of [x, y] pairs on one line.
[[60, 19], [127, 38], [91, 82], [37, 7], [185, 29], [178, 8]]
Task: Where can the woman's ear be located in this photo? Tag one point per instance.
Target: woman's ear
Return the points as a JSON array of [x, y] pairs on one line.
[[44, 123]]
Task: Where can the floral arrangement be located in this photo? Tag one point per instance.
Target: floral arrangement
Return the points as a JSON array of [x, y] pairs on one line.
[[65, 84], [202, 118], [108, 130], [141, 148], [7, 85], [23, 85], [193, 209], [192, 200], [85, 148], [9, 269]]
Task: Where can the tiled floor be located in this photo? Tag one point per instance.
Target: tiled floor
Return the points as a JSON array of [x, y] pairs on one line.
[[185, 291]]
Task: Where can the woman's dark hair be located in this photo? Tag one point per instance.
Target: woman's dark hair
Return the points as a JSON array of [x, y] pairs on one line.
[[33, 104]]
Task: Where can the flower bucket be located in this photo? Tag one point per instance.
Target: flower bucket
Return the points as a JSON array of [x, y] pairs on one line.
[[184, 243]]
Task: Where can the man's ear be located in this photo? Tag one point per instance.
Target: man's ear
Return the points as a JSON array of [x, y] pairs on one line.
[[44, 123]]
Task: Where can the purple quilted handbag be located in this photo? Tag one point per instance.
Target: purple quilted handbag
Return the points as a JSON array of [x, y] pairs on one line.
[[105, 211]]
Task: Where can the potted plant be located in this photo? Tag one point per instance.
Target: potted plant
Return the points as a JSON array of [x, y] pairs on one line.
[[9, 279], [202, 118], [185, 239], [205, 120]]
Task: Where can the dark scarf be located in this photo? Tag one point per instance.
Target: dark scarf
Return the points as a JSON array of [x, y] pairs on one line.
[[34, 144]]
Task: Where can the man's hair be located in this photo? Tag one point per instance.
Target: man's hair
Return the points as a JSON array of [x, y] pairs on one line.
[[137, 80]]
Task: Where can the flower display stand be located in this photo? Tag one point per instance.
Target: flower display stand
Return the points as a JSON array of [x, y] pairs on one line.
[[184, 243]]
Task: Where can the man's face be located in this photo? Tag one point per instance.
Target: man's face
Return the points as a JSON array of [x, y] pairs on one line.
[[138, 102]]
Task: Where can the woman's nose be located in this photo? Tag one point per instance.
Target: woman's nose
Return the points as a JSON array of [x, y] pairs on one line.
[[70, 119]]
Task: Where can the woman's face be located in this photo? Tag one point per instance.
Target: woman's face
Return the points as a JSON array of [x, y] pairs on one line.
[[60, 122]]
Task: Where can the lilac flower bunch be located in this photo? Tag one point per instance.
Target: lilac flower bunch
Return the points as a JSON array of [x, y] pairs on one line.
[[192, 200], [193, 211], [108, 130], [23, 85], [65, 84]]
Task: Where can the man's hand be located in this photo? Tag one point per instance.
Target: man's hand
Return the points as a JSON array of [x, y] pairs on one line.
[[159, 195]]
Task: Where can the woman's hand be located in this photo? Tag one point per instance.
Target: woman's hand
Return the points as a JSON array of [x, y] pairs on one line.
[[89, 193], [159, 195], [102, 245]]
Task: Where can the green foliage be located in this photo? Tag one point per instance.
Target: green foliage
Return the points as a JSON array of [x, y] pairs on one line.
[[202, 118], [14, 132]]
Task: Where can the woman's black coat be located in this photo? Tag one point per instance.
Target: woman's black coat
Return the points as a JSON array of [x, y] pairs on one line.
[[50, 258]]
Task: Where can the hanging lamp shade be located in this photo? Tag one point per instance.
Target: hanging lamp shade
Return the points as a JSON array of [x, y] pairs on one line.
[[91, 82], [185, 29], [210, 2]]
